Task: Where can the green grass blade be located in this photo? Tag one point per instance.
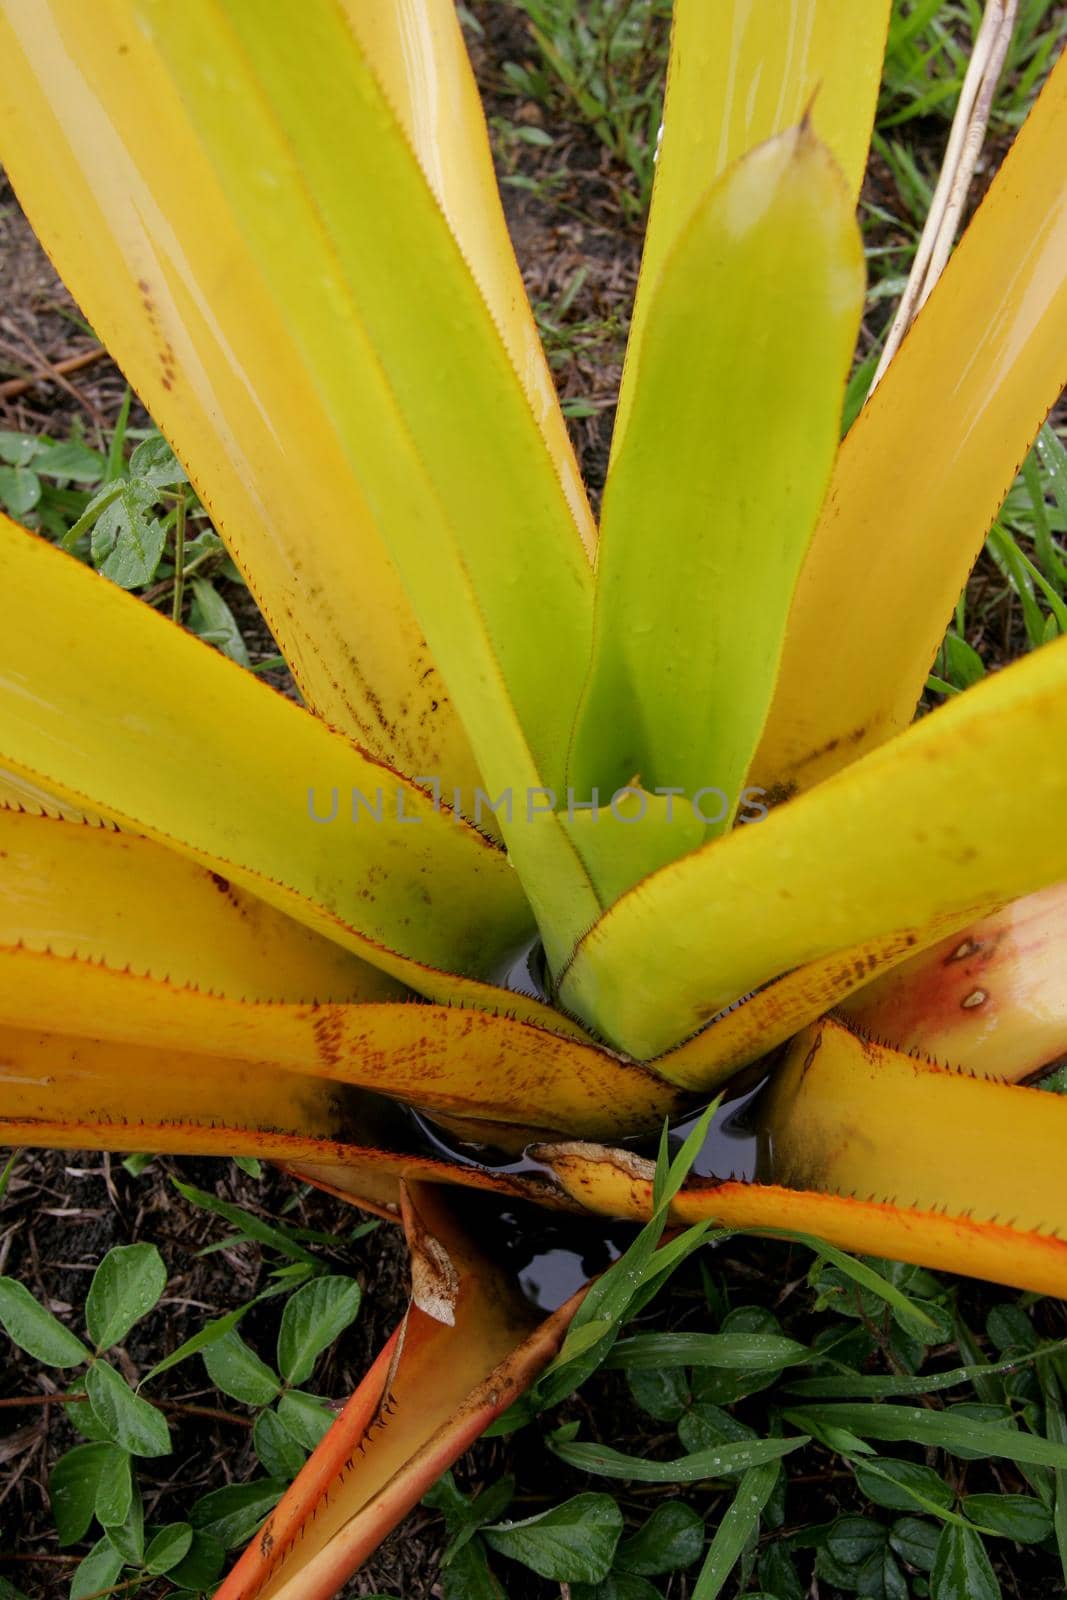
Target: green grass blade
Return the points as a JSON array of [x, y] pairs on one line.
[[736, 1529], [914, 1425]]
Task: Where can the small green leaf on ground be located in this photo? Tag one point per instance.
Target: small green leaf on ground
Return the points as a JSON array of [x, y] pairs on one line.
[[72, 1486], [1013, 1516], [962, 1569], [307, 1418], [312, 1320], [125, 1287], [672, 1537], [114, 1487], [278, 1451], [130, 1421], [36, 1330], [128, 541], [571, 1543], [203, 1562], [235, 1368], [98, 1572], [232, 1515], [167, 1547]]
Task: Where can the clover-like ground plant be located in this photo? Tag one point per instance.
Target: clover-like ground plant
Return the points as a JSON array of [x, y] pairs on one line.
[[674, 755]]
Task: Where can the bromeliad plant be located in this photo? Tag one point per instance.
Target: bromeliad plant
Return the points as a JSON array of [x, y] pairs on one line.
[[676, 755]]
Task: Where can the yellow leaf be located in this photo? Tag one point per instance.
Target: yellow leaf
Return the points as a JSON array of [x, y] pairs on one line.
[[115, 900], [109, 705], [854, 1148], [77, 1094], [991, 998], [919, 837], [466, 496], [420, 58], [924, 469], [739, 74], [127, 203], [447, 1059]]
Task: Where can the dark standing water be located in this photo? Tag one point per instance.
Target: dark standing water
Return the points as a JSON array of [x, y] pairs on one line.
[[550, 1253]]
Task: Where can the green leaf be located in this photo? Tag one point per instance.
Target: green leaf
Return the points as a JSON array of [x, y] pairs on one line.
[[885, 1387], [446, 1497], [105, 496], [205, 1336], [910, 1313], [880, 1578], [915, 1425], [279, 1453], [464, 1517], [114, 1488], [571, 1543], [154, 461], [82, 1418], [616, 1586], [236, 1369], [130, 1421], [962, 1569], [778, 1575], [1011, 1329], [672, 1537], [17, 449], [717, 1463], [915, 1541], [70, 459], [853, 1540], [753, 321], [36, 1330], [125, 1287], [662, 1392], [706, 1426], [469, 1577], [737, 1526], [1014, 1516], [212, 620], [72, 1485], [127, 542], [277, 1238], [738, 1352], [1056, 1426], [205, 1559], [128, 1535], [167, 1547], [963, 664], [306, 1416], [251, 1166], [20, 490], [233, 1514], [313, 1318], [901, 1485], [100, 1570]]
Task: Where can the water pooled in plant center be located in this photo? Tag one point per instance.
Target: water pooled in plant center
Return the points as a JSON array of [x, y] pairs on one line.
[[732, 1146], [551, 1253], [525, 972]]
